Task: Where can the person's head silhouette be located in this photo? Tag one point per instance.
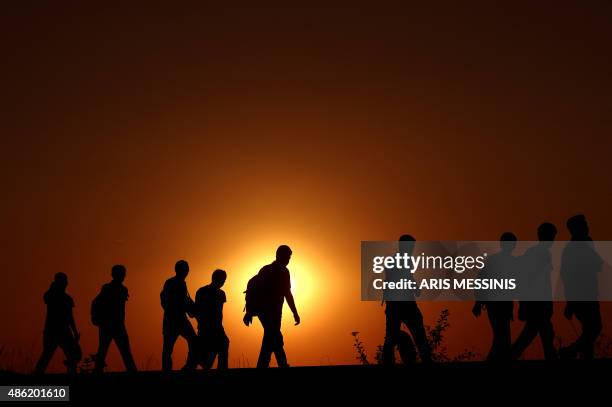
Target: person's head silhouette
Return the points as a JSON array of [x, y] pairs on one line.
[[547, 233], [60, 281], [507, 242], [218, 278], [578, 227], [406, 244], [118, 273], [181, 268], [283, 255]]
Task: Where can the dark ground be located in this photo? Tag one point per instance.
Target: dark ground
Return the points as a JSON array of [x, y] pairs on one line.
[[468, 383]]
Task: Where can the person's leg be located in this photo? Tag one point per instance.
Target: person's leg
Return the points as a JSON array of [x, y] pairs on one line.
[[272, 342], [170, 337], [571, 351], [414, 322], [187, 332], [104, 340], [203, 351], [406, 348], [276, 340], [267, 343], [279, 349], [589, 316], [72, 351], [527, 335], [547, 336], [50, 344], [496, 330], [392, 331], [506, 338], [223, 352], [207, 349], [123, 344]]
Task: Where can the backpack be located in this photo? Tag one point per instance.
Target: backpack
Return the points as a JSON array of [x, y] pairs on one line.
[[255, 295], [98, 310]]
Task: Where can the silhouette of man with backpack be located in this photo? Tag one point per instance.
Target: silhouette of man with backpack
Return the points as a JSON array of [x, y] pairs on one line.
[[500, 310], [177, 303], [108, 314], [212, 340], [60, 328], [580, 267], [265, 295], [536, 307], [401, 307]]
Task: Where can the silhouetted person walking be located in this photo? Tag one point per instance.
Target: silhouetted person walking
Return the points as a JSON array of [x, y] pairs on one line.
[[177, 303], [265, 296], [500, 311], [580, 266], [536, 309], [212, 340], [401, 307], [108, 314], [60, 328]]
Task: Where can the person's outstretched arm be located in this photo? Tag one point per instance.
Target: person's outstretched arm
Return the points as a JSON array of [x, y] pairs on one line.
[[291, 303]]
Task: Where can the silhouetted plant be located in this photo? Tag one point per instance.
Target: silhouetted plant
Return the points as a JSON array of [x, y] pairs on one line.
[[435, 337], [379, 355], [361, 352]]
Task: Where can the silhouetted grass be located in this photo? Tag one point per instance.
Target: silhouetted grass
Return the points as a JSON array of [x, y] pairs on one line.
[[18, 360]]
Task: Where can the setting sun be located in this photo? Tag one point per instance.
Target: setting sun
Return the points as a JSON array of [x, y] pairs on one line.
[[303, 275]]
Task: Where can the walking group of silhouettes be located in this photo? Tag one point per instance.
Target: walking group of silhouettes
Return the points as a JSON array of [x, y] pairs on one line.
[[265, 295], [267, 291], [580, 265]]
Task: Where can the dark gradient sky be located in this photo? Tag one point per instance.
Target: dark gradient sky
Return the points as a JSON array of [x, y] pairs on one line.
[[146, 134]]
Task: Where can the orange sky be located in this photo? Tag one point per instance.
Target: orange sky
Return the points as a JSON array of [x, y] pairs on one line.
[[145, 135]]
